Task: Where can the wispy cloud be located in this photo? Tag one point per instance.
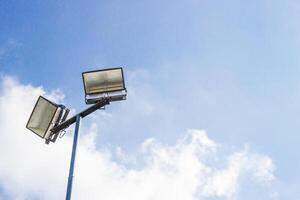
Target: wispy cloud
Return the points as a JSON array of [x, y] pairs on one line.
[[195, 167], [8, 47]]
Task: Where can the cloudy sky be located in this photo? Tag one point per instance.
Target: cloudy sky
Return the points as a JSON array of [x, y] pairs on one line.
[[213, 99]]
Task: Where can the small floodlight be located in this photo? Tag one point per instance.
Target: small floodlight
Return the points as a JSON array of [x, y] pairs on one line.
[[105, 83], [45, 116]]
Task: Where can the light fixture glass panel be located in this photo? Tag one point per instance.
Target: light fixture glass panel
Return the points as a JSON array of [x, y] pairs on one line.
[[42, 116], [103, 81]]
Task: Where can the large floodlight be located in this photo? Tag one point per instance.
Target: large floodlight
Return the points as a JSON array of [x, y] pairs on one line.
[[44, 117], [104, 83]]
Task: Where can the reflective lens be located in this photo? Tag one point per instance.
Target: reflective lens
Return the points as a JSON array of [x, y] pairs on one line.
[[103, 81], [42, 116]]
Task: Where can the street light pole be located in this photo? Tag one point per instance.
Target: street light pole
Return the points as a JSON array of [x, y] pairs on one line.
[[48, 119], [71, 171], [67, 123]]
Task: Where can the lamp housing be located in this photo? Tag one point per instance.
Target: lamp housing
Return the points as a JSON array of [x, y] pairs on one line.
[[104, 84], [46, 115]]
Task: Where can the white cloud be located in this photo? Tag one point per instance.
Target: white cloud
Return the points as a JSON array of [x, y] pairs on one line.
[[193, 168]]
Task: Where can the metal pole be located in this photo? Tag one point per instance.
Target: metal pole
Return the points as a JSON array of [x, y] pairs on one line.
[[70, 179]]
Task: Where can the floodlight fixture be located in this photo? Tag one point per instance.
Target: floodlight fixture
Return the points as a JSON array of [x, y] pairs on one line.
[[104, 84], [45, 115], [48, 119]]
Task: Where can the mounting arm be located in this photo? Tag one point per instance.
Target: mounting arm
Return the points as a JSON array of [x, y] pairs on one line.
[[55, 130]]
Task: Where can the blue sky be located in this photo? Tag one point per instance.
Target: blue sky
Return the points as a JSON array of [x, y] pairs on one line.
[[229, 67]]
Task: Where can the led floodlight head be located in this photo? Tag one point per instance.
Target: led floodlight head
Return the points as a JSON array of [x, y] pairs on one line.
[[105, 83], [44, 117]]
